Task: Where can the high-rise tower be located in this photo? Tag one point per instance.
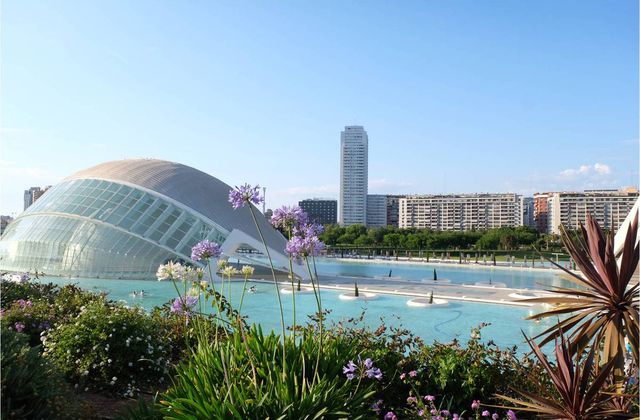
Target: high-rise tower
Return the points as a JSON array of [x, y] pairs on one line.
[[354, 175]]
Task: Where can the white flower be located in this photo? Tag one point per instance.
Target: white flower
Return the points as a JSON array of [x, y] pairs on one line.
[[108, 360], [171, 271], [221, 264], [229, 271], [114, 379], [247, 270]]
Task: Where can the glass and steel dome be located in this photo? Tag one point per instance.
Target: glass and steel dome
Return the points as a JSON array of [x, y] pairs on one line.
[[122, 219]]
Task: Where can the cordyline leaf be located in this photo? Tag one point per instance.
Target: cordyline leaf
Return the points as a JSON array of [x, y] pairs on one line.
[[630, 252], [606, 311], [577, 388]]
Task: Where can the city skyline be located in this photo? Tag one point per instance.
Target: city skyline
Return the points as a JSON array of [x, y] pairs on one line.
[[451, 104]]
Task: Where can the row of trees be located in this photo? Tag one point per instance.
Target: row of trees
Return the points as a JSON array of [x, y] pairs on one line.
[[506, 238]]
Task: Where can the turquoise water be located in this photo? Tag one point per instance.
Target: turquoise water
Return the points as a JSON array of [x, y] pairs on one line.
[[442, 324], [515, 278]]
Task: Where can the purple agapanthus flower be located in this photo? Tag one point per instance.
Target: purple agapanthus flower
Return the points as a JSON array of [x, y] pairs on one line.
[[184, 305], [299, 246], [350, 370], [374, 372], [204, 250], [19, 326], [495, 416], [511, 415], [377, 406], [288, 218], [239, 196], [24, 303], [475, 404], [429, 398], [390, 416], [486, 413], [361, 369], [311, 229]]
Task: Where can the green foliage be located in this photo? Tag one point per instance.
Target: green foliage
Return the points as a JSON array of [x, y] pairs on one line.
[[31, 386], [145, 410], [242, 378], [414, 239], [32, 308], [110, 347], [12, 291], [476, 371]]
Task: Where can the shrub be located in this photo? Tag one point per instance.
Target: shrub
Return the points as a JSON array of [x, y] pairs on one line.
[[242, 378], [32, 308], [29, 318], [110, 347], [31, 386], [12, 291], [476, 372]]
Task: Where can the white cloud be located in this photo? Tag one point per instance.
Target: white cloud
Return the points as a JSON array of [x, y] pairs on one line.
[[602, 169], [597, 169]]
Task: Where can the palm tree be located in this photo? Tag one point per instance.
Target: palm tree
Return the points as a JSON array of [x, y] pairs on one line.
[[603, 311]]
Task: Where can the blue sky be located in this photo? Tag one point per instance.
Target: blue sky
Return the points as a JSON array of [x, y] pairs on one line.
[[456, 96]]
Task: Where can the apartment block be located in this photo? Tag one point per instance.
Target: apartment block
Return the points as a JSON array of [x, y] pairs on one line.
[[32, 194], [354, 175], [393, 209], [320, 211], [608, 207], [376, 210], [460, 211]]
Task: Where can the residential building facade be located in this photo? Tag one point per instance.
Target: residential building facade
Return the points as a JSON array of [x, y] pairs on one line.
[[32, 194], [321, 211], [354, 176], [460, 211], [608, 207], [393, 209], [376, 210], [526, 212], [541, 211]]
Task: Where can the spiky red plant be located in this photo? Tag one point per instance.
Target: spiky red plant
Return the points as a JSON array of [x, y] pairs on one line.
[[604, 309], [577, 389]]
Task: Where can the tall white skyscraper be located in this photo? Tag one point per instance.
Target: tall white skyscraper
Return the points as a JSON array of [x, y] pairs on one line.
[[354, 175]]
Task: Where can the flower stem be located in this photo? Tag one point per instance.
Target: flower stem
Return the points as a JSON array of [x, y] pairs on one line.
[[316, 292], [275, 281]]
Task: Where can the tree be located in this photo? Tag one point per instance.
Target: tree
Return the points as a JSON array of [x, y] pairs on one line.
[[393, 240]]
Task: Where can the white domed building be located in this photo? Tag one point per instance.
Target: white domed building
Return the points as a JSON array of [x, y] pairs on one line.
[[122, 219]]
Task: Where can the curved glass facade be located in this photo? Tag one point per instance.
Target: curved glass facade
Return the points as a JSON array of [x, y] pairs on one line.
[[99, 228]]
